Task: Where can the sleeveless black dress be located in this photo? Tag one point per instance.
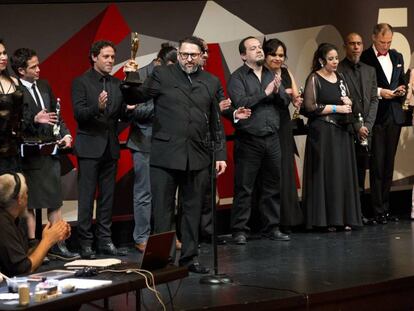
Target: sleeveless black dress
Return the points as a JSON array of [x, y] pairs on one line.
[[11, 108]]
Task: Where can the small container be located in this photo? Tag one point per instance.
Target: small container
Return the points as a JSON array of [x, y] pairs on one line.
[[40, 295], [24, 294]]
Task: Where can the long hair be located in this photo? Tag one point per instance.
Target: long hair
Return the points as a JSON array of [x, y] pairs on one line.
[[320, 54], [5, 72]]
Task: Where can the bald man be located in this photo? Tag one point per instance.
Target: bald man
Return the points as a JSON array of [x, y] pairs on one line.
[[15, 256], [362, 83]]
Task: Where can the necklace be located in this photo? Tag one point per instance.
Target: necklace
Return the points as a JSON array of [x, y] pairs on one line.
[[329, 77], [2, 89]]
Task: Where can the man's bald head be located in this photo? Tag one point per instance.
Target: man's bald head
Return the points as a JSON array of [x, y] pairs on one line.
[[12, 189]]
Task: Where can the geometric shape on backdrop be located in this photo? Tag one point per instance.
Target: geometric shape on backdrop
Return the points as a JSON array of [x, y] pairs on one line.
[[396, 17], [216, 24]]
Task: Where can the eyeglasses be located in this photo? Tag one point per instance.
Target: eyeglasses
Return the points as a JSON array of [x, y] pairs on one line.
[[186, 55]]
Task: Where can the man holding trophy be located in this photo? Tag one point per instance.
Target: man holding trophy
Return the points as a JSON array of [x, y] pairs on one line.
[[362, 83], [43, 134], [186, 113]]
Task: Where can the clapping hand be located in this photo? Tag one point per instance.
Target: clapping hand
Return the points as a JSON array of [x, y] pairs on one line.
[[102, 100]]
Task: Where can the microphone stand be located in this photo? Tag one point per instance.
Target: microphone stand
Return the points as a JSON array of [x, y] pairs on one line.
[[216, 278]]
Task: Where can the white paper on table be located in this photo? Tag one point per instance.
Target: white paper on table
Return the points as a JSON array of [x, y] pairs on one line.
[[85, 283], [9, 296], [99, 263]]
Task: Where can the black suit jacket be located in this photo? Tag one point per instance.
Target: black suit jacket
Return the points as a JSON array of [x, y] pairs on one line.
[[96, 129], [34, 131], [363, 94], [387, 106], [182, 112]]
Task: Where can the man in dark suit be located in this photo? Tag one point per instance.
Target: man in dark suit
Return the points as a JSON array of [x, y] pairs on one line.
[[97, 104], [389, 66], [362, 83], [41, 125], [185, 106]]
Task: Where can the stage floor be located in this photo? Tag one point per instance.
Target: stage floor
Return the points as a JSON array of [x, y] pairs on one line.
[[369, 266]]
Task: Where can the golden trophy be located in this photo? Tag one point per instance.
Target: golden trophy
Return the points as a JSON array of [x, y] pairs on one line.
[[406, 105], [296, 113], [298, 125], [134, 48], [130, 85]]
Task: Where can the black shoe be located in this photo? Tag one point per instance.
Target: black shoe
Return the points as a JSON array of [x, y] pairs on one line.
[[391, 217], [276, 235], [110, 249], [239, 238], [369, 221], [381, 219], [197, 268], [86, 252], [60, 251]]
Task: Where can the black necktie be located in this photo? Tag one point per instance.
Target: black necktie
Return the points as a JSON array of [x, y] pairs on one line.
[[37, 99], [107, 88]]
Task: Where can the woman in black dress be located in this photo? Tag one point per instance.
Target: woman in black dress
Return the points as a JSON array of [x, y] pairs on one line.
[[11, 98], [330, 182], [275, 56]]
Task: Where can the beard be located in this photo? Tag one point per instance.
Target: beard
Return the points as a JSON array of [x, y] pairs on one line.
[[260, 62], [354, 58], [189, 70]]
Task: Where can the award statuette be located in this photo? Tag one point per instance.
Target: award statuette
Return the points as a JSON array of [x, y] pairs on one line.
[[409, 97], [347, 117], [134, 48], [298, 126], [296, 114], [132, 81], [56, 127], [364, 141]]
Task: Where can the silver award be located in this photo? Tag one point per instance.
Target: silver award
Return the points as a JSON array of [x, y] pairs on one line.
[[56, 126], [363, 141], [342, 88]]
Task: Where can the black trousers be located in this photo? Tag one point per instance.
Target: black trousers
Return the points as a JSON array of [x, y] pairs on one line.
[[96, 173], [362, 159], [192, 184], [256, 157], [206, 219], [385, 139]]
